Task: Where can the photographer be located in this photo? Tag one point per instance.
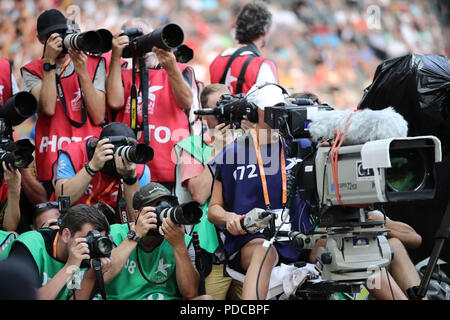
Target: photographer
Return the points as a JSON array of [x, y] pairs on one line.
[[8, 84], [76, 110], [194, 181], [46, 215], [240, 68], [151, 261], [251, 173], [56, 255], [170, 93], [90, 176]]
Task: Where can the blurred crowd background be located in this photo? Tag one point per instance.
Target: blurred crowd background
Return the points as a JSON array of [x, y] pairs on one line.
[[327, 47]]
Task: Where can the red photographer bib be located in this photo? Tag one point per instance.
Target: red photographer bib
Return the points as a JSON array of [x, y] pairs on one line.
[[53, 133], [167, 121], [102, 187], [5, 81], [217, 68]]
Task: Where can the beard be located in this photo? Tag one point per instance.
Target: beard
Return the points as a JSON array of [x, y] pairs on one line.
[[151, 60]]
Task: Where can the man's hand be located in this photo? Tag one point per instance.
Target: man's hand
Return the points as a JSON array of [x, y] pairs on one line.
[[233, 224], [124, 168], [78, 252], [246, 125], [79, 59], [166, 59], [173, 233], [51, 224], [146, 221], [12, 176], [103, 152], [220, 136], [118, 44], [53, 48]]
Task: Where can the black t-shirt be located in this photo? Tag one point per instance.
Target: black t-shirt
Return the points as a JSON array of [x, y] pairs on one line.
[[20, 252]]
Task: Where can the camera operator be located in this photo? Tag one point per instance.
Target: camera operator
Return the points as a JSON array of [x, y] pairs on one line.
[[194, 181], [72, 112], [240, 68], [153, 265], [243, 185], [90, 176], [172, 88], [56, 255]]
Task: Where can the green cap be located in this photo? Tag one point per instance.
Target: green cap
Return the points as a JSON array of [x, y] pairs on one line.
[[149, 193]]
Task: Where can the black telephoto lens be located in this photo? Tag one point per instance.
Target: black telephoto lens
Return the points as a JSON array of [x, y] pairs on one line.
[[18, 108]]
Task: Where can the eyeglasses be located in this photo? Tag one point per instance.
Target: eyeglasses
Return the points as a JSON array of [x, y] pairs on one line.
[[46, 205]]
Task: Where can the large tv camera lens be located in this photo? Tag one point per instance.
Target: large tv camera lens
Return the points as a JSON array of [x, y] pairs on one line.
[[140, 153], [407, 172]]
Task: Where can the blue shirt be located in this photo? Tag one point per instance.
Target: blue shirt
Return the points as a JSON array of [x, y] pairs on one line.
[[66, 170], [237, 168]]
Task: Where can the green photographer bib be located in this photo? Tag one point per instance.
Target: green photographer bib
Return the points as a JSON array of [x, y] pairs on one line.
[[158, 266], [206, 230], [48, 266], [6, 239]]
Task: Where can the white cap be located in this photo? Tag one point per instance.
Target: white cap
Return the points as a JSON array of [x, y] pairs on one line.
[[269, 95]]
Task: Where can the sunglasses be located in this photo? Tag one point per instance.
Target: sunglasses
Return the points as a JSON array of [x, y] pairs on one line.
[[46, 205]]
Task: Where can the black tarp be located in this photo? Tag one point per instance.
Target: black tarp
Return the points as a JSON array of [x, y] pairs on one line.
[[418, 87]]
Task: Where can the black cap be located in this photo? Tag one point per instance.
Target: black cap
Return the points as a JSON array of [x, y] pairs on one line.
[[117, 129], [50, 21]]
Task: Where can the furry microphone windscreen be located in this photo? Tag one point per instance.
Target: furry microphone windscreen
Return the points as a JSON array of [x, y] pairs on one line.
[[366, 125]]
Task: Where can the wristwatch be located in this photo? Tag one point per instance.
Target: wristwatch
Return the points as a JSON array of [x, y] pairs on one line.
[[133, 236], [48, 66]]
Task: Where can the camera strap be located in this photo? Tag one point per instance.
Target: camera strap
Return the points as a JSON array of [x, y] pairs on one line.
[[144, 85], [62, 98], [97, 266], [121, 206], [133, 99], [263, 175]]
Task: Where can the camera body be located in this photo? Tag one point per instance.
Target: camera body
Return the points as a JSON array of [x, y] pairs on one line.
[[231, 109], [99, 246], [125, 147], [17, 109]]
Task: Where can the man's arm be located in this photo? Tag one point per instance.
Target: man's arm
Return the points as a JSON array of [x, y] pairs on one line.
[[45, 92], [114, 88], [402, 231], [200, 186], [12, 210], [180, 89], [94, 99], [34, 191], [187, 275], [219, 216], [77, 185]]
